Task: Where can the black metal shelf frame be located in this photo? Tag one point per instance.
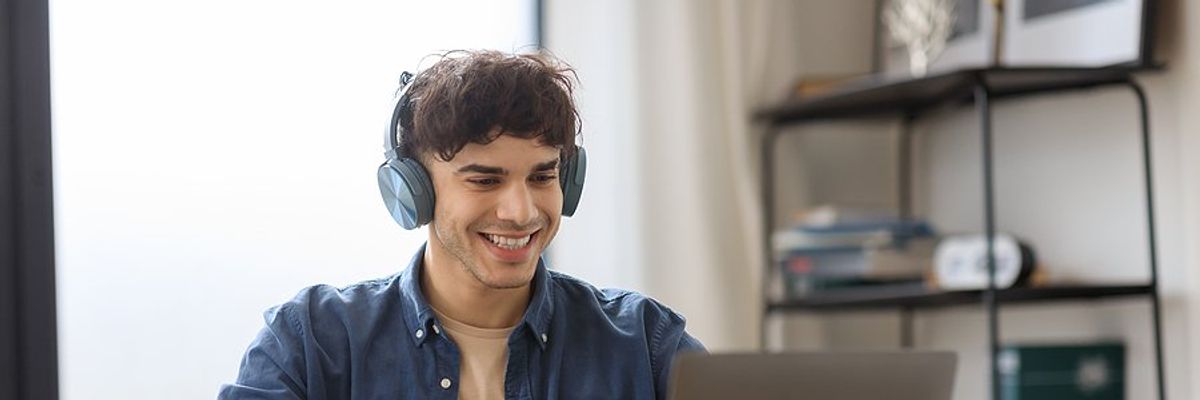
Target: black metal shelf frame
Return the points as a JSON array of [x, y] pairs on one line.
[[875, 298], [910, 98]]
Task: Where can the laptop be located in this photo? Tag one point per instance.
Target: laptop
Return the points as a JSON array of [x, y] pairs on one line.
[[814, 376]]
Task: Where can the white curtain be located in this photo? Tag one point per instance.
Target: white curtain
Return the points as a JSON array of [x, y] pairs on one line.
[[672, 206]]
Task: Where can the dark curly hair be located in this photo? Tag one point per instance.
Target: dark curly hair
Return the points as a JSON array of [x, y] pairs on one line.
[[466, 94]]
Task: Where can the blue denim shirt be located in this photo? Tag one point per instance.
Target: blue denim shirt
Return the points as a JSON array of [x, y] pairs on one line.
[[379, 339]]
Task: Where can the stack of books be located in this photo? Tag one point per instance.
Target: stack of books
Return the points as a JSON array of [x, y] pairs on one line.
[[854, 254]]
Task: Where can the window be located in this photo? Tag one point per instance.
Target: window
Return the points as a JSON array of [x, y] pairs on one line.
[[214, 157]]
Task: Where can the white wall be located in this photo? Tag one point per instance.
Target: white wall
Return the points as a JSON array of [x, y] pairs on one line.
[[594, 37], [212, 158]]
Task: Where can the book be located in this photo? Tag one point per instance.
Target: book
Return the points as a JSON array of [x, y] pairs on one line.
[[810, 271], [1062, 372]]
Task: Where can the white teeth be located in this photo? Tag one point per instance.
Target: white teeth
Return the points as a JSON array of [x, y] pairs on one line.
[[509, 243]]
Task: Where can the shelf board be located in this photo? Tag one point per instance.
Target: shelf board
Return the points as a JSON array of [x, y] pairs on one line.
[[919, 297], [874, 95]]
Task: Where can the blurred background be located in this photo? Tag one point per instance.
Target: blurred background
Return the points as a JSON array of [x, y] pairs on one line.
[[212, 158]]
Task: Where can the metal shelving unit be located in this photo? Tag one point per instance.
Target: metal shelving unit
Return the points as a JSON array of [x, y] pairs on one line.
[[908, 99]]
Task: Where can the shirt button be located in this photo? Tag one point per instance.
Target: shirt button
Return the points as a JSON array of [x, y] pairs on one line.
[[420, 333], [545, 338], [445, 383], [436, 330]]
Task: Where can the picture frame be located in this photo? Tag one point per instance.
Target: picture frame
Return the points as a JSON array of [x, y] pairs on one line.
[[1079, 33]]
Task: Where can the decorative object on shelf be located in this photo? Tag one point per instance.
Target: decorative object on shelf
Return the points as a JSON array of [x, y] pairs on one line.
[[960, 262], [1063, 372], [1091, 33], [970, 41], [922, 26]]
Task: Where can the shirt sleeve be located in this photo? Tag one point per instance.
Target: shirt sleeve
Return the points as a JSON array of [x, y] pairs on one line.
[[273, 367], [670, 339]]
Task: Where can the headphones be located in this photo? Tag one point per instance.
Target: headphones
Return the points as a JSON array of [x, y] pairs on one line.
[[405, 184]]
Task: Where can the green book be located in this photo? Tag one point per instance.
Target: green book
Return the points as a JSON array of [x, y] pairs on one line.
[[1063, 372]]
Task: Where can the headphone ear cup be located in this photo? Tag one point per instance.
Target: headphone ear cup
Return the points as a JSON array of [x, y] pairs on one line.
[[407, 192], [571, 178]]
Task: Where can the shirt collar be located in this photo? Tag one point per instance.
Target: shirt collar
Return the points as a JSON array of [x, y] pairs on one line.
[[420, 317]]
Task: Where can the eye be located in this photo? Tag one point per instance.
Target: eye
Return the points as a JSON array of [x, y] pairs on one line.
[[545, 178], [485, 182]]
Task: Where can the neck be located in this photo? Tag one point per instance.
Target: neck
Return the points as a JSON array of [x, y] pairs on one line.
[[455, 292]]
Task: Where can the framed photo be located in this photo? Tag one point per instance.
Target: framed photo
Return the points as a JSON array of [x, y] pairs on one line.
[[971, 43], [1091, 33]]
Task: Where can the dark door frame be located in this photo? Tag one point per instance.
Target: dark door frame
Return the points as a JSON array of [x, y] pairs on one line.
[[28, 327]]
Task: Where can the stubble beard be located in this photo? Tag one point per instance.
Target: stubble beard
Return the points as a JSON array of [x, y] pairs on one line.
[[462, 252]]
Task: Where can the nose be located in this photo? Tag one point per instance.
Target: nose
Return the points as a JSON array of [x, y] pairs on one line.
[[517, 206]]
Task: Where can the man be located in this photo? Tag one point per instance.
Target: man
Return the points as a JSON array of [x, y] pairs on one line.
[[477, 314]]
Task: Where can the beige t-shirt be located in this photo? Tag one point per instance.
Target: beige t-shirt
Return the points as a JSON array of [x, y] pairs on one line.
[[484, 358]]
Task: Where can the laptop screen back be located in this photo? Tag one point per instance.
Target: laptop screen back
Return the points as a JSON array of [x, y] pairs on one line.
[[842, 376]]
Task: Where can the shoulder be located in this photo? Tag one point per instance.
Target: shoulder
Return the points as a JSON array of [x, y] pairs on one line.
[[625, 316], [623, 308], [328, 296], [319, 305], [576, 290]]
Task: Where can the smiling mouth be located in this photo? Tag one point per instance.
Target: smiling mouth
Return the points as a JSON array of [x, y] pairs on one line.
[[509, 242]]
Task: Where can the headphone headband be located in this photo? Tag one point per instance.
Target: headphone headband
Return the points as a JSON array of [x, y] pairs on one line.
[[391, 135]]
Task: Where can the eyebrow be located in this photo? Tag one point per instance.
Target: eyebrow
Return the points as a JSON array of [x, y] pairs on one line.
[[546, 166], [489, 170]]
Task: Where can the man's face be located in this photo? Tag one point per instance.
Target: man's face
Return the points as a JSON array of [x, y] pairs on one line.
[[498, 206]]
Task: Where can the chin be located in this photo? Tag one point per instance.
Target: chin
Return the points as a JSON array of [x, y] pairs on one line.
[[510, 266], [505, 275]]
